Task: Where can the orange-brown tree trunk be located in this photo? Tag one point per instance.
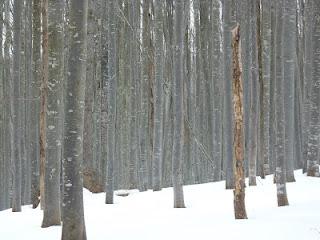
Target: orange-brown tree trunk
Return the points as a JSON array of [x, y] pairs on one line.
[[239, 191]]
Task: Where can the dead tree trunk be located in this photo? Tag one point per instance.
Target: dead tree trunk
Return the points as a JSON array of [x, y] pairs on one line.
[[238, 160]]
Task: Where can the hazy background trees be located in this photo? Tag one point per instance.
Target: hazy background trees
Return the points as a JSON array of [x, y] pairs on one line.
[[153, 87]]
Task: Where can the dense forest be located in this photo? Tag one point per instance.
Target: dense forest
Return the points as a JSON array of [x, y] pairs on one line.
[[147, 94]]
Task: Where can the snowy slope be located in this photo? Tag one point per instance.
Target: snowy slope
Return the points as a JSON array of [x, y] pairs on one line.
[[209, 215]]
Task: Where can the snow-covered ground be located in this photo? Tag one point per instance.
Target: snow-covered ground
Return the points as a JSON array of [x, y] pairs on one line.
[[209, 215]]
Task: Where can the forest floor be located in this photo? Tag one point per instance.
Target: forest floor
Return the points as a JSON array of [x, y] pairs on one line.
[[209, 215]]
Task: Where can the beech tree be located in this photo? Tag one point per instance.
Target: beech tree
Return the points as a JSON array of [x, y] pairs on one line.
[[73, 226], [178, 120], [280, 172], [313, 145], [35, 103], [54, 115], [158, 97], [15, 95]]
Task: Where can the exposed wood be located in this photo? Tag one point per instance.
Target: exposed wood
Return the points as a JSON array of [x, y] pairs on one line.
[[238, 126]]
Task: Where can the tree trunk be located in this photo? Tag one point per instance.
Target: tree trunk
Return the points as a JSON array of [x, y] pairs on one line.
[[43, 99], [217, 88], [238, 165], [158, 98], [178, 120], [15, 95], [307, 81], [8, 96], [280, 173], [228, 22], [110, 88], [2, 117], [289, 59], [35, 103], [313, 147], [133, 85], [144, 135], [52, 214], [253, 121], [73, 227], [266, 48]]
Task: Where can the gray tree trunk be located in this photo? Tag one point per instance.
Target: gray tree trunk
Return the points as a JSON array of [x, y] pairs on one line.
[[289, 56], [197, 100], [178, 120], [15, 95], [35, 103], [144, 134], [8, 96], [313, 146], [158, 97], [110, 87], [73, 227], [217, 88], [272, 126], [253, 121], [266, 48], [134, 69], [228, 24], [94, 174], [2, 116], [43, 99], [29, 99], [307, 80], [280, 173], [167, 98], [51, 212]]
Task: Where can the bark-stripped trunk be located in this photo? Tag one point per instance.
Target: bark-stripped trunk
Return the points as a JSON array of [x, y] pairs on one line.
[[238, 127], [73, 227]]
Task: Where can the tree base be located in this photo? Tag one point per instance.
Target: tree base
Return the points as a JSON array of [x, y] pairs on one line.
[[179, 206], [290, 178], [313, 171], [239, 205], [91, 181], [282, 200], [47, 224], [252, 181]]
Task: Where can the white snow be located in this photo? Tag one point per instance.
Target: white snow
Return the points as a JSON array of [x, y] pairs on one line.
[[209, 215]]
